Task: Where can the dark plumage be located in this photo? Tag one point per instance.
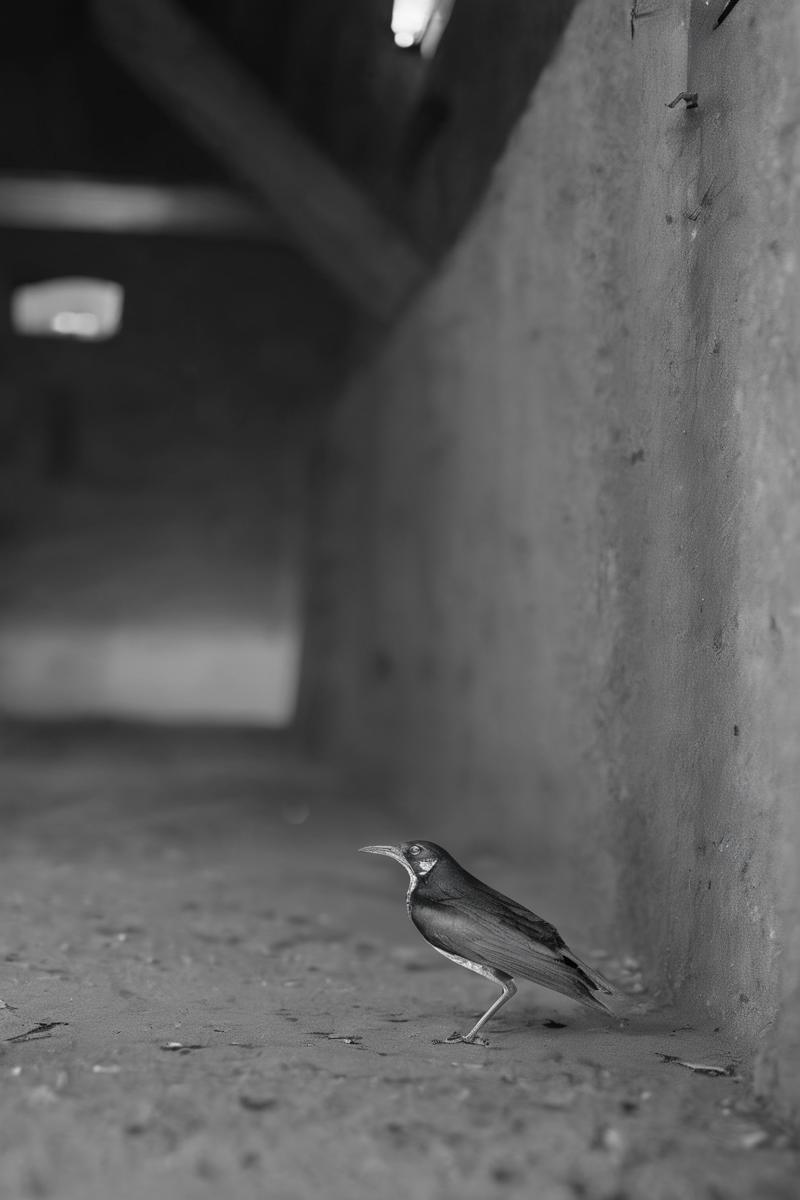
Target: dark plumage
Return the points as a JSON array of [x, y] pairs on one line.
[[487, 932]]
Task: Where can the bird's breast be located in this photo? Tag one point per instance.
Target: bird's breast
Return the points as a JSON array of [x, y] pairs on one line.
[[447, 926]]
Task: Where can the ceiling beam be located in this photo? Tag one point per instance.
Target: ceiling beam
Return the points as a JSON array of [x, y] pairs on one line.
[[226, 110], [90, 205]]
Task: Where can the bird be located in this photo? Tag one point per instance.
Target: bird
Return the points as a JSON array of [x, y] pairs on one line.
[[489, 933]]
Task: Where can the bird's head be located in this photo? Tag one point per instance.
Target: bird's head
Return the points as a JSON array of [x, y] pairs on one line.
[[418, 858]]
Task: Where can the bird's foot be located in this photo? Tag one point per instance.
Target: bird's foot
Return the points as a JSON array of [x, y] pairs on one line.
[[473, 1040]]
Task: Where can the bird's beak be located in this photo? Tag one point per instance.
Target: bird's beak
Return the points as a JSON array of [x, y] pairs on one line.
[[389, 851]]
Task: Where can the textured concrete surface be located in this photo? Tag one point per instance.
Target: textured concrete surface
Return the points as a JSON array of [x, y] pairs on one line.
[[557, 568], [206, 991]]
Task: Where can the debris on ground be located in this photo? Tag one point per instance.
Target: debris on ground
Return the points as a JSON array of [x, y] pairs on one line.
[[177, 1060], [699, 1068]]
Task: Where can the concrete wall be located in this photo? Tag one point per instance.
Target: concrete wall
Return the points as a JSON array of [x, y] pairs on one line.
[[557, 558]]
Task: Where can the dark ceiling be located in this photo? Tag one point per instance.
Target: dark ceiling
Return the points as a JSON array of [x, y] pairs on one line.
[[306, 107], [74, 109], [383, 114]]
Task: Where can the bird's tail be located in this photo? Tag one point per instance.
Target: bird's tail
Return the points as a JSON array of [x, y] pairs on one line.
[[588, 982]]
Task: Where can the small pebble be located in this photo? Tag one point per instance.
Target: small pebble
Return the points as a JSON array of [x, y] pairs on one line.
[[258, 1103], [754, 1139], [611, 1140]]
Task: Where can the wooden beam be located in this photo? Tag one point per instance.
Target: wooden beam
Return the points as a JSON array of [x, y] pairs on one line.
[[226, 109], [73, 202]]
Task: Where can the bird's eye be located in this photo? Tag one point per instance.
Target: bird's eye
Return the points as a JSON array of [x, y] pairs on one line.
[[415, 849]]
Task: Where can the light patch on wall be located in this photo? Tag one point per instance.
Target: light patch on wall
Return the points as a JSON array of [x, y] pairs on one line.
[[203, 673], [87, 309], [420, 23]]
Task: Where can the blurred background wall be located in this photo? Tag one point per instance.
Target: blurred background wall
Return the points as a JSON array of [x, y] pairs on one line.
[[151, 500]]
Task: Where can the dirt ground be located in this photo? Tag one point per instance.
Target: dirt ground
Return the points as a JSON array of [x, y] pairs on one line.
[[206, 992]]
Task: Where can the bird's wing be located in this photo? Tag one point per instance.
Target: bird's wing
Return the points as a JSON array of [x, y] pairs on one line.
[[497, 932], [539, 931]]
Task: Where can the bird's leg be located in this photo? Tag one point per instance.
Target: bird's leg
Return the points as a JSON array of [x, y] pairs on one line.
[[509, 990]]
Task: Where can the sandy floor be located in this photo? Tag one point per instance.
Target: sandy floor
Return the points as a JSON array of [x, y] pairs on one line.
[[206, 992]]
